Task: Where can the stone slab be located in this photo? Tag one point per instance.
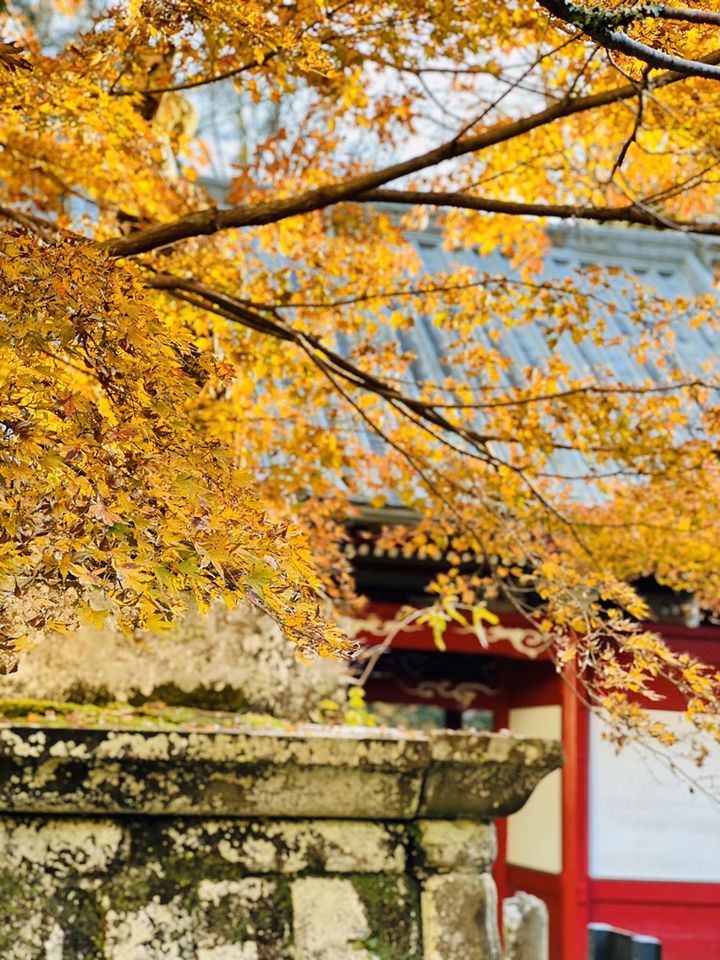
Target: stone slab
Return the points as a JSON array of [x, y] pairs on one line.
[[314, 772]]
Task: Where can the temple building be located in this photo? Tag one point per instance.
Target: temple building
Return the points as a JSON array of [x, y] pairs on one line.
[[621, 839]]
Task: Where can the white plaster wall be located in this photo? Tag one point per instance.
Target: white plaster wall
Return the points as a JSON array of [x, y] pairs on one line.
[[645, 823], [534, 837]]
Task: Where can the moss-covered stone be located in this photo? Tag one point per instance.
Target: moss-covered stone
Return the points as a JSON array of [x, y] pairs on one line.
[[392, 907], [249, 910], [43, 920], [16, 909], [202, 697], [81, 921]]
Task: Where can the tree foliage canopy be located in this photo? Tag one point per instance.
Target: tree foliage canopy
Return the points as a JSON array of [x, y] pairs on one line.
[[187, 388]]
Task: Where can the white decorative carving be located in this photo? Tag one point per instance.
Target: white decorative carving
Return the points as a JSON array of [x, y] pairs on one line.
[[528, 642]]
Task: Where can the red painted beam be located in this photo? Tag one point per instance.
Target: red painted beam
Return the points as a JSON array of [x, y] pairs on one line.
[[670, 893], [700, 642], [512, 637]]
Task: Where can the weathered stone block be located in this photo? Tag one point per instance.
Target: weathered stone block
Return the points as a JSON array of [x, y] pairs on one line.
[[265, 846], [458, 917], [484, 775], [455, 845], [154, 931], [251, 914], [65, 846], [329, 920], [327, 846], [365, 918], [525, 928]]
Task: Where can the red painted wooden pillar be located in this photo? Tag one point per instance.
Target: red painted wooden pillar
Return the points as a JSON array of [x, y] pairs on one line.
[[575, 906]]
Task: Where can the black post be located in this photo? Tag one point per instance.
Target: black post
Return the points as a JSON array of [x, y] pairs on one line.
[[608, 943]]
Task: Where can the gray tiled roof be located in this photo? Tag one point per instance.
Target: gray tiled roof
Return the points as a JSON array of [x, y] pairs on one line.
[[671, 264]]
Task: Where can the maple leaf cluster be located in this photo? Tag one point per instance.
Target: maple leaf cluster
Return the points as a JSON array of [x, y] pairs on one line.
[[195, 397]]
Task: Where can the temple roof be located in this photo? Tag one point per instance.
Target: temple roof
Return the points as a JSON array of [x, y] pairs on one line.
[[668, 264]]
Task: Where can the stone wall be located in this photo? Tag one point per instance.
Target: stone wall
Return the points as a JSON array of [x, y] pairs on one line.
[[316, 844], [234, 660]]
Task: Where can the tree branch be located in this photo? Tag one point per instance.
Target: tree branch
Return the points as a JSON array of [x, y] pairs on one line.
[[212, 220], [659, 11], [598, 24], [201, 82], [269, 323], [564, 211]]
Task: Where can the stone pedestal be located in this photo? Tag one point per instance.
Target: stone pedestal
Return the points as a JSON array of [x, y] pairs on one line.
[[318, 844]]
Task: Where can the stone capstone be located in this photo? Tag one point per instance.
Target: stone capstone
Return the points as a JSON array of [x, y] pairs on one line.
[[315, 772], [473, 770]]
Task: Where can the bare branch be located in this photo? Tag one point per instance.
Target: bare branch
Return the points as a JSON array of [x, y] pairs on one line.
[[626, 214], [201, 82], [686, 14]]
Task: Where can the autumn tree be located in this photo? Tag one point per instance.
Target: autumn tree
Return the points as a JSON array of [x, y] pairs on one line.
[[194, 395]]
